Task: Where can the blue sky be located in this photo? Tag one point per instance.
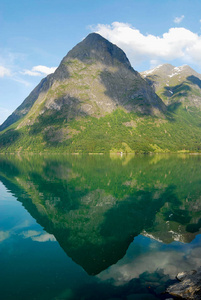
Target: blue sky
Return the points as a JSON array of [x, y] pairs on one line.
[[36, 34]]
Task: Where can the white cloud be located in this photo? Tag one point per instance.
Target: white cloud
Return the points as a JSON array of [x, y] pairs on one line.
[[38, 236], [46, 237], [4, 72], [178, 43], [4, 235], [39, 71], [44, 69], [154, 63], [178, 20], [31, 73], [168, 258]]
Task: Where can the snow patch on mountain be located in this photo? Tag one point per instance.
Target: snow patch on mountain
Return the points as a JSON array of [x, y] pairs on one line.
[[177, 71], [145, 73]]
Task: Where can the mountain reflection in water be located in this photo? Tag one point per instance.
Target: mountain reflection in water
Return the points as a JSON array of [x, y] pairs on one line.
[[96, 205]]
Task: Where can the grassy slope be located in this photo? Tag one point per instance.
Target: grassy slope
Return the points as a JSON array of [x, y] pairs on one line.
[[115, 132]]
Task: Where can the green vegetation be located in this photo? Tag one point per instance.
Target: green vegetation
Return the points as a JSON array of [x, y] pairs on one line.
[[115, 132]]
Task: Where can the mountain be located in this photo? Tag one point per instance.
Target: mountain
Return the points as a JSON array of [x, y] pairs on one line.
[[93, 79], [176, 84], [96, 102]]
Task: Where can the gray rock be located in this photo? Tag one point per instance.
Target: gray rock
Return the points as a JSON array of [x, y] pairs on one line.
[[181, 276], [189, 286]]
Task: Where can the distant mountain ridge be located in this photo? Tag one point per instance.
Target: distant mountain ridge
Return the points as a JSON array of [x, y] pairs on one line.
[[181, 84]]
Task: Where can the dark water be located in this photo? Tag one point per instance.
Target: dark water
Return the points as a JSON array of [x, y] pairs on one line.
[[97, 227]]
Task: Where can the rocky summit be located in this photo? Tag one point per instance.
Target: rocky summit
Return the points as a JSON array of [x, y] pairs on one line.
[[96, 102]]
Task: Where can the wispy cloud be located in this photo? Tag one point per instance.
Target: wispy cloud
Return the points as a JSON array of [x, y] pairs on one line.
[[178, 20], [10, 66], [22, 81], [38, 236], [177, 43], [4, 235], [4, 72], [13, 75], [39, 71]]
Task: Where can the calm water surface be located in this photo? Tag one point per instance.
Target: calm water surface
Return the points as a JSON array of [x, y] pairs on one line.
[[97, 227]]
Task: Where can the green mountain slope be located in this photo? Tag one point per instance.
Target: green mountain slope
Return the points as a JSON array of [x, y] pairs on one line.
[[96, 102]]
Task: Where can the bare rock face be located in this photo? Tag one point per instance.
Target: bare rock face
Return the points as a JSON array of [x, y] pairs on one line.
[[189, 286]]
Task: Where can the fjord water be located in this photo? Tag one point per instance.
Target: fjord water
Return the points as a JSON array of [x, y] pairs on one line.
[[97, 227]]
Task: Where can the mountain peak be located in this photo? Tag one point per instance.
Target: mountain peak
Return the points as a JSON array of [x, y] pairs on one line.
[[94, 37], [96, 47], [164, 68], [168, 70]]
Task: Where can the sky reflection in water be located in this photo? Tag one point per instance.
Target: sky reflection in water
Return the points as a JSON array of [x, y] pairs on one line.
[[91, 208]]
